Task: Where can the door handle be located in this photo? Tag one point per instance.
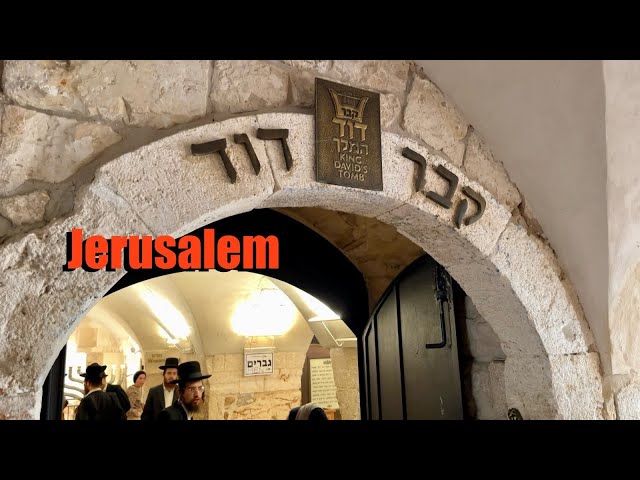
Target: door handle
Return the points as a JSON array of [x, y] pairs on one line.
[[441, 298]]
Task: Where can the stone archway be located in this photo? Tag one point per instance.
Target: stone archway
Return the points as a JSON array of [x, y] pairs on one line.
[[551, 370]]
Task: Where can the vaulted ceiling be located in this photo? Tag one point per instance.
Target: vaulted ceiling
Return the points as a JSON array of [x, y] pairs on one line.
[[208, 303]]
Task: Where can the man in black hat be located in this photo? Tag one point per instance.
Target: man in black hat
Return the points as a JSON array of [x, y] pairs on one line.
[[190, 393], [165, 395], [97, 404]]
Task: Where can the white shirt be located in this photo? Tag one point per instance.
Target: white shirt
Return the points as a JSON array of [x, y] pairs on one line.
[[168, 396], [91, 391], [189, 414]]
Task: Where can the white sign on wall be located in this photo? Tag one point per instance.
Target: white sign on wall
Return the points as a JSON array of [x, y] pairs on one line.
[[257, 362], [323, 387]]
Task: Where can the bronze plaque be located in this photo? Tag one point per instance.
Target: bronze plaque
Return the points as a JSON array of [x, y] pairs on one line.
[[348, 142]]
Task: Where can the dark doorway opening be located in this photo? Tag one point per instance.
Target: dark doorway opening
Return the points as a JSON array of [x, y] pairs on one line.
[[307, 261]]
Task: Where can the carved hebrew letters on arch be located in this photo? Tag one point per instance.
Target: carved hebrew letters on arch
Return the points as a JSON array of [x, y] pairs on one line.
[[216, 146], [535, 344], [219, 146], [446, 200], [244, 140]]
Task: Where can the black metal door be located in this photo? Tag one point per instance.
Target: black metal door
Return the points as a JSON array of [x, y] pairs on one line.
[[409, 346]]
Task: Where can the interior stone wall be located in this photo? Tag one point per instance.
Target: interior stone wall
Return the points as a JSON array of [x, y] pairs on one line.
[[345, 376], [487, 370], [621, 79], [232, 396]]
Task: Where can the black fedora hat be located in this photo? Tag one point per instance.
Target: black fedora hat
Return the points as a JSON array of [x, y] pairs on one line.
[[95, 372], [189, 372], [170, 362]]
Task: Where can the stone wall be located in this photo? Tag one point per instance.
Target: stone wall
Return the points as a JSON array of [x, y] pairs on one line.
[[95, 112], [378, 250], [487, 371], [232, 396], [345, 376], [623, 191], [62, 119]]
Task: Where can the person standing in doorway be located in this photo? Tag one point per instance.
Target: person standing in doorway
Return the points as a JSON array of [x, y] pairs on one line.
[[164, 395], [190, 391], [98, 404], [135, 395]]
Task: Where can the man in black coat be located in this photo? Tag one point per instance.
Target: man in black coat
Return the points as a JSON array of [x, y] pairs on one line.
[[97, 404], [119, 392], [164, 395], [190, 393]]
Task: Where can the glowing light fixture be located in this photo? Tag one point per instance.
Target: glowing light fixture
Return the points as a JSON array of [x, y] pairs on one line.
[[267, 312]]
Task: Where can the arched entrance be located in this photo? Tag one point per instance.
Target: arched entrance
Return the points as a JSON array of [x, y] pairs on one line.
[[551, 370], [310, 262]]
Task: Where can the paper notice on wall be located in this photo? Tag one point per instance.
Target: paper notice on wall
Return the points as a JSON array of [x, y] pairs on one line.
[[258, 362], [323, 387]]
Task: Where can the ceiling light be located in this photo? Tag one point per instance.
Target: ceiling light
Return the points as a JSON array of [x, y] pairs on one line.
[[166, 314], [267, 312]]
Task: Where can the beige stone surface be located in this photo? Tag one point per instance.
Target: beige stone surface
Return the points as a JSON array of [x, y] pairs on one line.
[[150, 93], [624, 321], [36, 146], [499, 305], [215, 363], [23, 406], [283, 379], [40, 304], [303, 93], [534, 275], [513, 277], [233, 362], [483, 341], [488, 390], [245, 86], [251, 384], [628, 402], [24, 209], [232, 396], [295, 360], [529, 387], [259, 406], [377, 249], [577, 386], [557, 387], [455, 153], [388, 76], [302, 87], [175, 192], [319, 66], [432, 226], [432, 118], [345, 375], [5, 227], [280, 359], [482, 167], [390, 108]]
